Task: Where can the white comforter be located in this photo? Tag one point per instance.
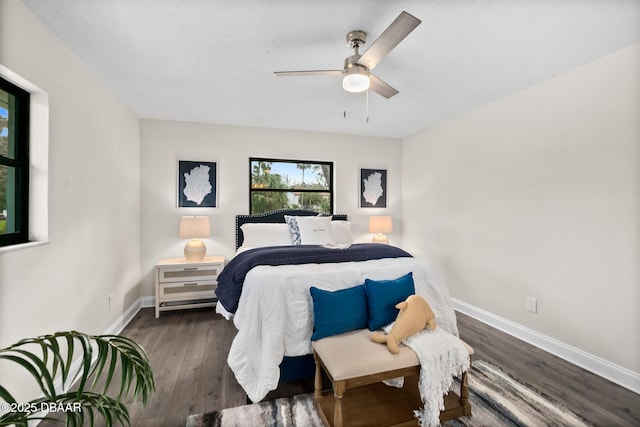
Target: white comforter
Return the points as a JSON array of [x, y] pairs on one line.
[[275, 313]]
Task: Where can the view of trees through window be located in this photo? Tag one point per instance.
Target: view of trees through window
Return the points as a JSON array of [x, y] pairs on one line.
[[290, 184]]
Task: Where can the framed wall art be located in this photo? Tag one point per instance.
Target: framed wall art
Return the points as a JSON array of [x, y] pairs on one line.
[[373, 188], [197, 186]]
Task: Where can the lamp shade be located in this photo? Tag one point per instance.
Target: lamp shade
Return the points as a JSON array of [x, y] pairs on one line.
[[380, 224], [193, 227]]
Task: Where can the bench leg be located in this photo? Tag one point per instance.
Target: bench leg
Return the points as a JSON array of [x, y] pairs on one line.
[[338, 392], [464, 394], [317, 381]]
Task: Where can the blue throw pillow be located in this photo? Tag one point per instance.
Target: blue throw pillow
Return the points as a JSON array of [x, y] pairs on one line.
[[338, 311], [382, 297]]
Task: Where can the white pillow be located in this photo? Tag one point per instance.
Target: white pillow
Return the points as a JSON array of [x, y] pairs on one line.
[[260, 235], [314, 230], [341, 232]]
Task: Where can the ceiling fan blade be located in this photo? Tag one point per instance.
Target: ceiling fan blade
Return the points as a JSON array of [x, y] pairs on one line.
[[380, 87], [390, 38], [308, 73]]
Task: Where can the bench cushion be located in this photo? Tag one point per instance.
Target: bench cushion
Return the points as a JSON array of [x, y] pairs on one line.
[[353, 354]]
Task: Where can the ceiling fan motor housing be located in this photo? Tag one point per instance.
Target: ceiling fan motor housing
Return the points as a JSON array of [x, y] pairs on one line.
[[352, 61], [356, 38], [355, 75]]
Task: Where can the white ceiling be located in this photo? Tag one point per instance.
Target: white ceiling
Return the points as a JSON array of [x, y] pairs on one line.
[[213, 61]]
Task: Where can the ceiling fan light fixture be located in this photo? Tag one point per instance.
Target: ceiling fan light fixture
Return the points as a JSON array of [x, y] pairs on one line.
[[356, 80]]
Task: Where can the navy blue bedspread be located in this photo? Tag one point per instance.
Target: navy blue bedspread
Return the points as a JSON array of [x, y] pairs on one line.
[[232, 277]]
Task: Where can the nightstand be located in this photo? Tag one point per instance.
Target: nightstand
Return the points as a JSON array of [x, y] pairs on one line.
[[182, 284]]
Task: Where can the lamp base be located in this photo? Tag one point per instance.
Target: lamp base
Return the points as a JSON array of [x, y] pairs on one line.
[[380, 238], [195, 250]]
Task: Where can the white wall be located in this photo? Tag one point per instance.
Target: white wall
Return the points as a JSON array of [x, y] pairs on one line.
[[94, 196], [538, 195], [166, 142]]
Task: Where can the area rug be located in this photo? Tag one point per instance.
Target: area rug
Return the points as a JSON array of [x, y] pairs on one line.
[[497, 400]]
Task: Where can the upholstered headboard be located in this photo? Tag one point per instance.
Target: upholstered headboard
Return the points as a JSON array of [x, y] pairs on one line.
[[273, 217]]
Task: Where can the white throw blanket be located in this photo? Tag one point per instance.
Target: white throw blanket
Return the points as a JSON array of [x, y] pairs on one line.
[[275, 313], [442, 356]]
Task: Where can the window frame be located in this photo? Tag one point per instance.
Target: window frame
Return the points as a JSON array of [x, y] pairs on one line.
[[329, 190], [21, 163]]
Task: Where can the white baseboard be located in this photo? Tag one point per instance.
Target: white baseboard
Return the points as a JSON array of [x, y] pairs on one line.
[[615, 373], [129, 314], [125, 318], [148, 301]]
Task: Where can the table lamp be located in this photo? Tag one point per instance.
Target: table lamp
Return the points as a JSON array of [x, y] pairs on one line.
[[194, 227], [380, 224]]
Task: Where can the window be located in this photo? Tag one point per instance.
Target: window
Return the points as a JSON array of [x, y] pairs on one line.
[[290, 184], [14, 164]]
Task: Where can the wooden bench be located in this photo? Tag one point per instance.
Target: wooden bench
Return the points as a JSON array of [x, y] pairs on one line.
[[353, 362]]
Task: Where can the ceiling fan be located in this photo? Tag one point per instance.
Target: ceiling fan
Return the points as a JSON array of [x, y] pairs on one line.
[[356, 72]]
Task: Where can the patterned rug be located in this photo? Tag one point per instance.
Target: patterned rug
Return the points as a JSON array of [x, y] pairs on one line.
[[497, 399]]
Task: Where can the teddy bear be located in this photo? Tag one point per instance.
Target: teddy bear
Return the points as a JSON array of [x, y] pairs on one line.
[[415, 314]]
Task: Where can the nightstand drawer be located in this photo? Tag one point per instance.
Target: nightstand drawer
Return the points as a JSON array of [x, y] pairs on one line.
[[186, 290], [191, 273]]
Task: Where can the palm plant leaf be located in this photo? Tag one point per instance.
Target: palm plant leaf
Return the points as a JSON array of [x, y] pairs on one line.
[[35, 366], [113, 353]]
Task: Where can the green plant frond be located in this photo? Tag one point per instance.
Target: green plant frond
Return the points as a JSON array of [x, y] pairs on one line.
[[135, 366], [87, 357], [92, 403], [54, 348], [70, 350], [127, 371], [13, 419], [36, 369], [41, 342], [45, 377], [113, 353], [101, 360], [91, 417], [112, 367], [59, 361], [113, 412], [50, 349], [6, 396]]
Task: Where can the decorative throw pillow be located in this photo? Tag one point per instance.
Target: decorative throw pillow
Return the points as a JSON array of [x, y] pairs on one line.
[[309, 230], [336, 312], [382, 297], [314, 230], [294, 230]]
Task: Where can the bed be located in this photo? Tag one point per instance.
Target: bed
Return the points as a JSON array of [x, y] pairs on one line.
[[271, 305]]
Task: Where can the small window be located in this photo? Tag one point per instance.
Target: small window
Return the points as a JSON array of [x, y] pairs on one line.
[[14, 164], [290, 184]]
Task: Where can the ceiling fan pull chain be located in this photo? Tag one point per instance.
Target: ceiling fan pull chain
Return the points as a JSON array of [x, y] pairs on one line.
[[344, 103], [367, 105]]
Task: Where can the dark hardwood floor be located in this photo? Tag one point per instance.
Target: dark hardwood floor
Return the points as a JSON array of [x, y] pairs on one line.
[[596, 399], [188, 351]]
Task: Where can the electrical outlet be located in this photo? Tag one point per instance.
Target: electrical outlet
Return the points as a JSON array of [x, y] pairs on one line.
[[532, 304]]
